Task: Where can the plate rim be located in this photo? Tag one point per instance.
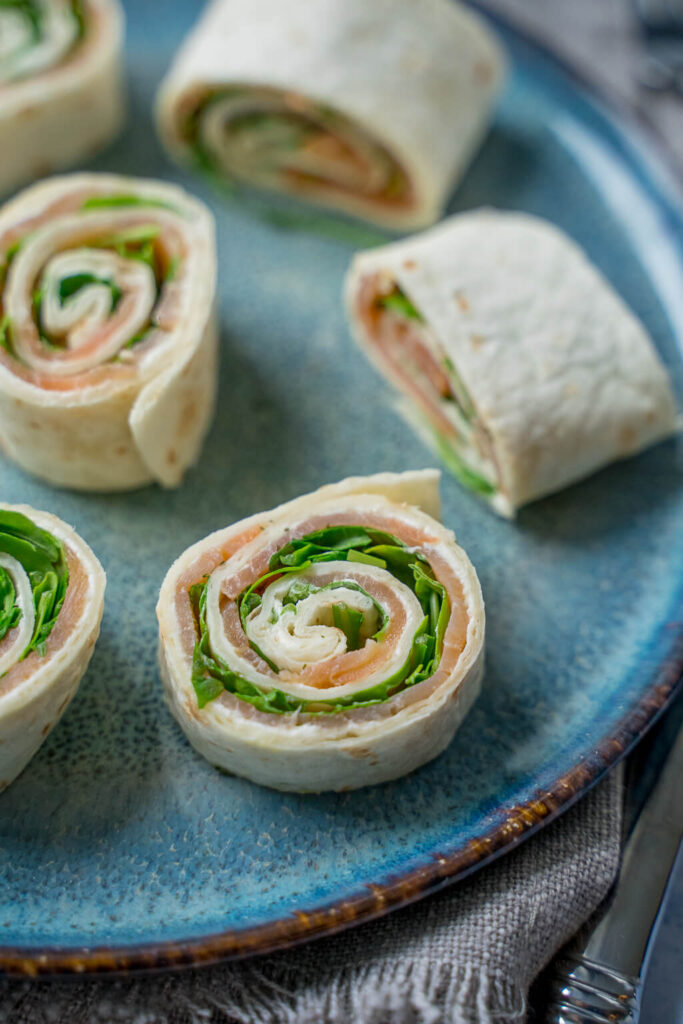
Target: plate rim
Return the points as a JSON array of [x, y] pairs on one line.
[[521, 821]]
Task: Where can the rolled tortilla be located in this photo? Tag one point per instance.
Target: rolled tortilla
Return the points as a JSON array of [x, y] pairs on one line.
[[518, 361], [51, 603], [108, 343], [61, 87], [373, 108], [334, 642]]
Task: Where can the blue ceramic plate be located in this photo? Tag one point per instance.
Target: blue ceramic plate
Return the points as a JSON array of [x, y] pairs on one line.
[[121, 847]]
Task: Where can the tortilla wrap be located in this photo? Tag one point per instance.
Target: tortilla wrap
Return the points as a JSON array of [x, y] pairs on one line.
[[327, 663], [39, 676], [374, 109], [516, 358], [61, 85], [108, 354]]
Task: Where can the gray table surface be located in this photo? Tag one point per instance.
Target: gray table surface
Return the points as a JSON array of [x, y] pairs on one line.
[[603, 40]]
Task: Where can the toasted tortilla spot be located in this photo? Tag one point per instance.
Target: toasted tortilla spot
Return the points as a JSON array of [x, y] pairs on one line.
[[483, 72]]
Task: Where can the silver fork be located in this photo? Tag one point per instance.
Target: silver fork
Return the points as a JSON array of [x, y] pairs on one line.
[[599, 980]]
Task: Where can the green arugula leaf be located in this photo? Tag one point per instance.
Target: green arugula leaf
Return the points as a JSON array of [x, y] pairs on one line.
[[136, 243], [299, 591], [128, 237], [79, 15], [459, 468], [350, 621], [44, 559], [459, 393], [363, 556], [14, 248], [398, 302], [5, 327], [172, 269], [10, 613], [113, 201]]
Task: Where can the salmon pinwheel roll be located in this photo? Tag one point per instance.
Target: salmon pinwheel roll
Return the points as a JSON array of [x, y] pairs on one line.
[[108, 339], [61, 84], [372, 107], [51, 603], [516, 359], [334, 642]]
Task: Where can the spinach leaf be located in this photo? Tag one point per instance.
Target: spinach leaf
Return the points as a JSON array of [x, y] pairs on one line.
[[44, 559], [72, 284]]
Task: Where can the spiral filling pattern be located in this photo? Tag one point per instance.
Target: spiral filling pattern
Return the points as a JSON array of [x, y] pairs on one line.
[[37, 35], [336, 619], [89, 285], [282, 140]]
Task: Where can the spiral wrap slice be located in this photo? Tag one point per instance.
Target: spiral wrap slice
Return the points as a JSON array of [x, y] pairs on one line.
[[516, 359], [61, 91], [339, 102], [332, 643], [107, 330], [51, 603]]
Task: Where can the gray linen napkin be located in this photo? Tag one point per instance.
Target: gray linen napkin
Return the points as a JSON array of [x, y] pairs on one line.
[[464, 956], [602, 41]]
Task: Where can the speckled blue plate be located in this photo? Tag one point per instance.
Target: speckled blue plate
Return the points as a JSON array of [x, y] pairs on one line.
[[119, 846]]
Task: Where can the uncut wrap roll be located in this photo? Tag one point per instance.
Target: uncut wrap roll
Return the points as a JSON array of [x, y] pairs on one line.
[[333, 642], [51, 603], [108, 339], [61, 84], [372, 108], [516, 359]]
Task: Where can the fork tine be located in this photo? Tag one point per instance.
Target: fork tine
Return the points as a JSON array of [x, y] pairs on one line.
[[585, 992]]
